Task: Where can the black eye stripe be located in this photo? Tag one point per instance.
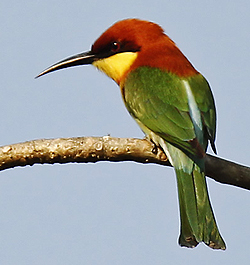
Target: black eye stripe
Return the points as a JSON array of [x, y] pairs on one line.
[[113, 47]]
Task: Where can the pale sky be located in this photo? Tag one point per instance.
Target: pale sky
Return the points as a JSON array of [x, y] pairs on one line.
[[113, 213]]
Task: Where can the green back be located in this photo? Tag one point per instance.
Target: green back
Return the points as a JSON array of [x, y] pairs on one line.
[[159, 100]]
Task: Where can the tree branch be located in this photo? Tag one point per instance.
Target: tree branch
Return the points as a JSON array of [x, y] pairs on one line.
[[94, 149]]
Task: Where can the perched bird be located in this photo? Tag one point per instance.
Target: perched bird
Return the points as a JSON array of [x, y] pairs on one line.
[[174, 106]]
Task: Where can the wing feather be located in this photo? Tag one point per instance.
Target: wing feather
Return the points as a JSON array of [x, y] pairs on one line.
[[159, 100]]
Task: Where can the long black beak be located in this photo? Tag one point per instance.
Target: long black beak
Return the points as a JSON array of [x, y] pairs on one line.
[[79, 59]]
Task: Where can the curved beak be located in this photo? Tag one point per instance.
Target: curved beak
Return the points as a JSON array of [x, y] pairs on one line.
[[79, 59]]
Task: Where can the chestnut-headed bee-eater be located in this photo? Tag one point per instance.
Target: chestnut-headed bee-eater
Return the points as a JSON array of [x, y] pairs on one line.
[[173, 105]]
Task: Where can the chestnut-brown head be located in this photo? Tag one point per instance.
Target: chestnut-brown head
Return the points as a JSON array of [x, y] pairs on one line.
[[129, 44]]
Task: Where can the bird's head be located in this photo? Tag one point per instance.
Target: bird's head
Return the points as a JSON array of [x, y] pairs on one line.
[[126, 45]]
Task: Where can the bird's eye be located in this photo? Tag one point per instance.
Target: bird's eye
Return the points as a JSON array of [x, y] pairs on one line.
[[115, 46]]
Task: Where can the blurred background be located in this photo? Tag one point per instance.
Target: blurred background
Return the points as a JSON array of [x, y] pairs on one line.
[[113, 213]]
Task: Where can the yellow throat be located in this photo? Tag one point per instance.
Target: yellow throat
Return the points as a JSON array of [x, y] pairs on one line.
[[116, 65]]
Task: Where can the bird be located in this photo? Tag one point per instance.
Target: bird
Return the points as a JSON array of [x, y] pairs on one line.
[[173, 105]]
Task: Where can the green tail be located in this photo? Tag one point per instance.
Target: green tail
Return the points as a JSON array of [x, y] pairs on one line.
[[197, 219]]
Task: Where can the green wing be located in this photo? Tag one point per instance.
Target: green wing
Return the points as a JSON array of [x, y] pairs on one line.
[[179, 115], [159, 101]]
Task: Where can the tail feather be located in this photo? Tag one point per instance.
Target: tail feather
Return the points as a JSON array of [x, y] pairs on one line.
[[197, 219], [188, 212]]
